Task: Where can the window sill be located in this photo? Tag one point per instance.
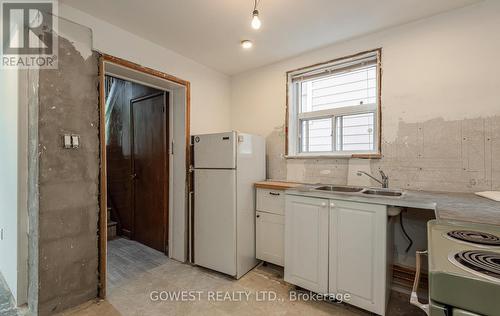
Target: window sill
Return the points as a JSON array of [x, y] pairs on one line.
[[336, 156]]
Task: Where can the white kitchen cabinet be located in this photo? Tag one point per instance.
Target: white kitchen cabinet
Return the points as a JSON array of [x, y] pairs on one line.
[[270, 225], [358, 254], [306, 242], [270, 235], [271, 201]]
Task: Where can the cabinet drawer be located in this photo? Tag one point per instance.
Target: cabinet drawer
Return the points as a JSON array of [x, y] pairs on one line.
[[270, 234], [271, 201]]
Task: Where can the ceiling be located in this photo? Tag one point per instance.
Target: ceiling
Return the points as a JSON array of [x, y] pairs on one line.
[[210, 31]]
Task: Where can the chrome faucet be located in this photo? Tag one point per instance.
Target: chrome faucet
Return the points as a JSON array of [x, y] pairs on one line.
[[385, 178]]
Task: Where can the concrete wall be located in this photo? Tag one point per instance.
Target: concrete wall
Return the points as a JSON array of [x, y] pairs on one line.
[[440, 104], [210, 90], [68, 182]]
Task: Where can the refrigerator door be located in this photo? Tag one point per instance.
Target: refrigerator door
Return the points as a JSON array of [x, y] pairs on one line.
[[215, 219], [215, 151]]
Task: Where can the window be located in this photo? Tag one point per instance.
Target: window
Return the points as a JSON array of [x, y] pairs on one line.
[[333, 108]]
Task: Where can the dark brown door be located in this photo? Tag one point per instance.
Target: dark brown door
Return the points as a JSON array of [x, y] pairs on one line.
[[150, 169]]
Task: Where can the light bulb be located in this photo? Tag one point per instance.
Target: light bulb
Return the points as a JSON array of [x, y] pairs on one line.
[[256, 23], [246, 44]]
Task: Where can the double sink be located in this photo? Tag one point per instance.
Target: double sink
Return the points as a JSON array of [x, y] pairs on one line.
[[367, 191]]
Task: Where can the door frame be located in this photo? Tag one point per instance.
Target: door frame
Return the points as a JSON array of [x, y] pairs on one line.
[[103, 235], [166, 166]]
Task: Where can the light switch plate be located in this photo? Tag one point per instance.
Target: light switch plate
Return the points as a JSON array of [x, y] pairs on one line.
[[67, 141], [71, 141], [75, 141]]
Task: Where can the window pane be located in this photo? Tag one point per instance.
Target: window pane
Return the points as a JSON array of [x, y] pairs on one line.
[[356, 132], [339, 90], [316, 135]]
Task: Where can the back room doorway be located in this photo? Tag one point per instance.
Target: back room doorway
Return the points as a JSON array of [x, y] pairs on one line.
[[137, 134]]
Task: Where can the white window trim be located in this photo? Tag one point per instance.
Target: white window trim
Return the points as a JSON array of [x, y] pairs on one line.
[[294, 117]]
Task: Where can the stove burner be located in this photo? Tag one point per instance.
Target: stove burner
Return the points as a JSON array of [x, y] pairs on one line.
[[483, 262], [475, 237]]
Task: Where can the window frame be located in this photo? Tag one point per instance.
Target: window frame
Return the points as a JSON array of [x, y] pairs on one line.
[[294, 117]]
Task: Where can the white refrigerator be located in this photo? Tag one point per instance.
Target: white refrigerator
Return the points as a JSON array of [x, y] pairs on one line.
[[226, 166]]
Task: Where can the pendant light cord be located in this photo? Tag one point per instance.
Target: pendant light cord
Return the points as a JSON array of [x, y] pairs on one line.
[[256, 4]]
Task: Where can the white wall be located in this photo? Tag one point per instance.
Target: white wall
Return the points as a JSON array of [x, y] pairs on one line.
[[210, 90], [13, 184], [8, 179], [439, 67]]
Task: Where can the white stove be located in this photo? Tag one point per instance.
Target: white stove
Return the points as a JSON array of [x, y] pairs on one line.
[[464, 269]]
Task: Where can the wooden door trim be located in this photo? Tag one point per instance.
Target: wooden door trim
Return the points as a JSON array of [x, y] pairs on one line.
[[166, 187], [103, 235], [103, 196]]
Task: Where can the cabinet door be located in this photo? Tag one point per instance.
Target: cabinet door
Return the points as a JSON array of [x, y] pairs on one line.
[[306, 242], [270, 235], [358, 239]]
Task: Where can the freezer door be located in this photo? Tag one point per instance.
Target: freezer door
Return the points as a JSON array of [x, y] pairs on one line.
[[215, 219], [215, 150]]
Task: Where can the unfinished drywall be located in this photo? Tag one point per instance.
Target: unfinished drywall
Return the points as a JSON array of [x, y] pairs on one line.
[[440, 104], [68, 181], [435, 155]]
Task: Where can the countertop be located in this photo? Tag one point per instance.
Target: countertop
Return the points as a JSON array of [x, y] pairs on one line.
[[451, 206], [277, 185]]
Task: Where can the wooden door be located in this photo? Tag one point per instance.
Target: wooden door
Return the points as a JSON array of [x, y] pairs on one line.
[[306, 242], [150, 169]]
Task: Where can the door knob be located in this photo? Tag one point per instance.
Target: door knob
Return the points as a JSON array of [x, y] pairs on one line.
[[323, 204], [133, 176], [332, 204]]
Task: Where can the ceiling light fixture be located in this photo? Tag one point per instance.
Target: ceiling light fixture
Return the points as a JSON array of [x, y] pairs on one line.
[[256, 23], [246, 44]]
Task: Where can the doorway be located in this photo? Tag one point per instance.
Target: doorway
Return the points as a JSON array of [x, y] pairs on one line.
[[137, 162], [174, 180]]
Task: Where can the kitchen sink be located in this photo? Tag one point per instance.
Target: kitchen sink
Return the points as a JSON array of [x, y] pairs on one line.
[[382, 192], [331, 188], [359, 190]]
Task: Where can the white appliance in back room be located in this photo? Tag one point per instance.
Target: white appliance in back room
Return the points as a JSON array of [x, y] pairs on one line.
[[226, 166]]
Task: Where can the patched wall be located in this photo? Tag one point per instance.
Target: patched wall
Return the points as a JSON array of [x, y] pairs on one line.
[[68, 181], [440, 104], [435, 155]]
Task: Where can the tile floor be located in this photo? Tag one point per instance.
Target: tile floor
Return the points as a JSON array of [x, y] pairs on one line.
[[135, 270]]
